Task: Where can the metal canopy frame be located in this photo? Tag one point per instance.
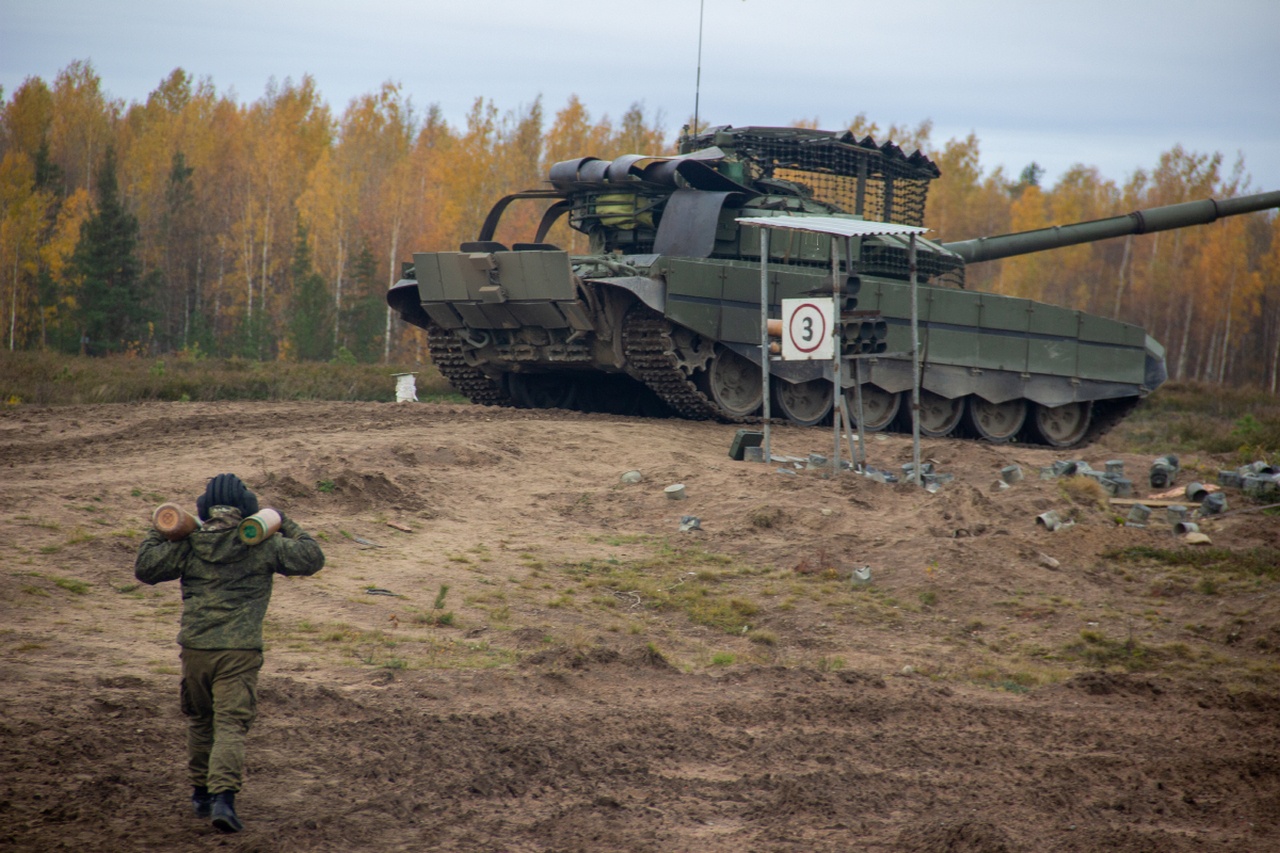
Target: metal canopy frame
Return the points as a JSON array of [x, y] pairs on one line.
[[835, 226]]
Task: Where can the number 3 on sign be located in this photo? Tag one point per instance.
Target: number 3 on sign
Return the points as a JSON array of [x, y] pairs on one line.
[[807, 327]]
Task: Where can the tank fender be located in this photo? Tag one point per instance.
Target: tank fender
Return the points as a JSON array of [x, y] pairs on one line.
[[651, 291], [788, 371], [996, 386], [404, 298], [1155, 372]]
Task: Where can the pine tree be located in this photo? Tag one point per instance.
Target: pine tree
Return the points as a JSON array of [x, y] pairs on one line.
[[311, 317], [366, 315], [114, 307]]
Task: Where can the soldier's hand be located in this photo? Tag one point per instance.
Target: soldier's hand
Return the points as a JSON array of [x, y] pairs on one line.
[[288, 527]]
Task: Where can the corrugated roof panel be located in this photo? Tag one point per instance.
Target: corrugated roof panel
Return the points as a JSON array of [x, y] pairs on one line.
[[835, 225]]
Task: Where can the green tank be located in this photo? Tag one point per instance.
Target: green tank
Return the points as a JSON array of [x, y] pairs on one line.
[[662, 315]]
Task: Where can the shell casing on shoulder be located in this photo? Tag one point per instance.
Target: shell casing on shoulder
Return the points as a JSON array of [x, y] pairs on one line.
[[173, 521], [259, 527]]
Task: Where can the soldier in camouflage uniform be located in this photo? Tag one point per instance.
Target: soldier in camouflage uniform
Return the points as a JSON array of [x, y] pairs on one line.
[[226, 586]]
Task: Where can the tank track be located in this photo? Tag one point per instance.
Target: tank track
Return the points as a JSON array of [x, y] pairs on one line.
[[1106, 415], [472, 382], [651, 358]]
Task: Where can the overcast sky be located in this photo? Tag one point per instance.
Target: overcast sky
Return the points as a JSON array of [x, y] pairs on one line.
[[1106, 83]]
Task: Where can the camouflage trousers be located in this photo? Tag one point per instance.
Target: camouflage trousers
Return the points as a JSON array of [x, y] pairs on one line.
[[220, 699]]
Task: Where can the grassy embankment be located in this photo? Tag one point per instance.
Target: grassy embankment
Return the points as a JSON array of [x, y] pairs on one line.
[[1182, 417], [38, 378]]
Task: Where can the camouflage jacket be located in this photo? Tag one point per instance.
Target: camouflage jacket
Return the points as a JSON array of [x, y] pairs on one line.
[[226, 585]]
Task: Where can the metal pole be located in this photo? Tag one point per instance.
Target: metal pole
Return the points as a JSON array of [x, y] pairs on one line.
[[697, 86], [915, 363], [861, 457], [764, 335], [862, 434], [836, 338]]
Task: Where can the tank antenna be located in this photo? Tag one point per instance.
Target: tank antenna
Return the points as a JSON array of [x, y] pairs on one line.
[[697, 86]]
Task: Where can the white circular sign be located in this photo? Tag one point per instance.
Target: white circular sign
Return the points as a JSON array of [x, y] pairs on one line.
[[807, 328]]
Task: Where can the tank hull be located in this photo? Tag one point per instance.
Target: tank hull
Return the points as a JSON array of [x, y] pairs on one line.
[[522, 328]]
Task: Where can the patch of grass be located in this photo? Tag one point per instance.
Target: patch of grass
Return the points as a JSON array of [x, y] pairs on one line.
[[654, 655], [722, 659], [730, 616], [1258, 562], [50, 378], [1084, 491], [766, 517], [999, 678], [1201, 417], [340, 634], [71, 585], [623, 539], [564, 599], [674, 578], [1098, 650]]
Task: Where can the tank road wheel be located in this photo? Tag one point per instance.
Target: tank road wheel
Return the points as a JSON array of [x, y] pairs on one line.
[[939, 416], [541, 391], [804, 403], [997, 422], [734, 384], [1065, 425], [879, 407]]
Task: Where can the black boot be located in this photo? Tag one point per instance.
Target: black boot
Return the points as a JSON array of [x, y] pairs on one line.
[[224, 812], [201, 801]]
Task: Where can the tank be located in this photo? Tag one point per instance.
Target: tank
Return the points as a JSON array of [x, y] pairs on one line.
[[662, 315]]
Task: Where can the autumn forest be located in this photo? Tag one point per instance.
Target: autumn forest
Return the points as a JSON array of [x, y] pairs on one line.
[[194, 223]]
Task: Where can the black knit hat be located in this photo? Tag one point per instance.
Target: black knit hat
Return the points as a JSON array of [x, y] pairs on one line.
[[227, 490]]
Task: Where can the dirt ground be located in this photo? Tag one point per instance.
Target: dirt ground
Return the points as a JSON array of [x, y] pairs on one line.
[[510, 649]]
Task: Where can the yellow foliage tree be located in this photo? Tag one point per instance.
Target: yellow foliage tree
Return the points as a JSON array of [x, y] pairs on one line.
[[23, 209]]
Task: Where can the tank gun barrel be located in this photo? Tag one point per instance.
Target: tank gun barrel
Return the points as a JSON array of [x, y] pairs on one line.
[[1138, 222]]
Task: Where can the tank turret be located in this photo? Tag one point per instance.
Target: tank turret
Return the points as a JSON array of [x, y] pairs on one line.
[[662, 314]]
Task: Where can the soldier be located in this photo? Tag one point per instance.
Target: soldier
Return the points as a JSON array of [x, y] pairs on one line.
[[226, 586]]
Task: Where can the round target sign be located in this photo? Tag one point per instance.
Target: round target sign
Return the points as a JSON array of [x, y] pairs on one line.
[[806, 325]]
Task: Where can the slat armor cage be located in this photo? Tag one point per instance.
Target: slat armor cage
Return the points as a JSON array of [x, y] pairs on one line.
[[877, 182]]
